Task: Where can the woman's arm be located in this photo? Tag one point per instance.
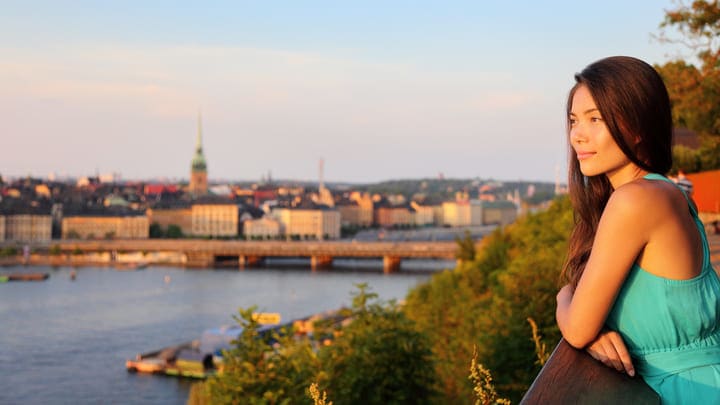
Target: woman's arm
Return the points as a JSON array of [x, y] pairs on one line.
[[622, 233]]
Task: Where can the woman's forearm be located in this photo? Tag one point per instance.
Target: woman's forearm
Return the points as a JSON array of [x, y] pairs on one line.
[[576, 335]]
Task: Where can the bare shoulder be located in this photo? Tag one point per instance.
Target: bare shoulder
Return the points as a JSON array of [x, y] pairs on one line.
[[649, 199]]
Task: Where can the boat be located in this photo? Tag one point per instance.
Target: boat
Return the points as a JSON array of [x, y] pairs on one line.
[[203, 357], [129, 266], [23, 277], [183, 360]]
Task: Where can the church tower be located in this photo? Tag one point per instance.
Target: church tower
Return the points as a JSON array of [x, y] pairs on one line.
[[198, 172]]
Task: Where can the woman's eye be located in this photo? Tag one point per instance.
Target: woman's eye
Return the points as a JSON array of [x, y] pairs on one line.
[[595, 119], [572, 121]]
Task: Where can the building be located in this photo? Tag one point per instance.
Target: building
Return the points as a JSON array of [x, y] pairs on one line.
[[261, 228], [393, 216], [198, 171], [28, 227], [215, 218], [180, 216], [25, 222], [499, 212], [438, 215], [462, 213], [424, 214], [131, 225], [306, 223]]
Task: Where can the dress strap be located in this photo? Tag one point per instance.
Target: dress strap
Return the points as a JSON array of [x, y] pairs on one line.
[[655, 176], [693, 211]]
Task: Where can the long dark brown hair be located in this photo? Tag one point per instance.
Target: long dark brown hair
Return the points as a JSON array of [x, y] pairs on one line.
[[635, 106]]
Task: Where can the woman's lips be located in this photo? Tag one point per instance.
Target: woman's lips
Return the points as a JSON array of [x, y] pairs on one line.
[[584, 155]]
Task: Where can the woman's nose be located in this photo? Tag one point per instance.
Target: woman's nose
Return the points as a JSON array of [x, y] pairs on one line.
[[577, 135]]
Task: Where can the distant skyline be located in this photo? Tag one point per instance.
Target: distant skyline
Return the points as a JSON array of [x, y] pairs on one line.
[[378, 89]]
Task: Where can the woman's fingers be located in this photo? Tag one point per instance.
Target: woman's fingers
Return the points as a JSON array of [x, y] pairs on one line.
[[610, 349], [622, 352]]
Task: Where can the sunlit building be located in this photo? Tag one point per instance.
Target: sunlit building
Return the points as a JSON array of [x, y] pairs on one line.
[[215, 218], [357, 211], [424, 214], [308, 223], [133, 225], [262, 228], [180, 216], [499, 212], [462, 213], [392, 217], [30, 225]]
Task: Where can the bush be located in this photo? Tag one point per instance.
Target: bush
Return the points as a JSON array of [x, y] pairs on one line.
[[380, 358], [55, 250]]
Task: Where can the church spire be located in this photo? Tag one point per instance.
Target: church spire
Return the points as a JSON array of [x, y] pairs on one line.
[[198, 172], [198, 144], [198, 162]]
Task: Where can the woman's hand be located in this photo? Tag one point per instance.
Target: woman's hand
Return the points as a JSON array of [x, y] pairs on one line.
[[609, 348]]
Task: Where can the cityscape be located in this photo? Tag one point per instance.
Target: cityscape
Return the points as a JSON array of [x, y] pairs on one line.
[[103, 207]]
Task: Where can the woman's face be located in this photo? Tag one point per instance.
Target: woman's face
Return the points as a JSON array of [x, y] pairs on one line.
[[596, 150]]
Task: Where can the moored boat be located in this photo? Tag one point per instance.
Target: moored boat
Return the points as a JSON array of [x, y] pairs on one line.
[[24, 277]]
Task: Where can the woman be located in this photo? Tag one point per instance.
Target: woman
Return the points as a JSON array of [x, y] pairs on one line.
[[640, 292]]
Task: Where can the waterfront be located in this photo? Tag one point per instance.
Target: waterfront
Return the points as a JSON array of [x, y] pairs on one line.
[[67, 341]]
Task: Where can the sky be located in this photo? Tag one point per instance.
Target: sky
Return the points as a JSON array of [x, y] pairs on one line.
[[377, 89]]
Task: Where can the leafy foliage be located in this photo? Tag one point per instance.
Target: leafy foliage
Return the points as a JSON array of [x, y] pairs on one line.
[[695, 90], [466, 247], [380, 358], [485, 303], [483, 387], [264, 368]]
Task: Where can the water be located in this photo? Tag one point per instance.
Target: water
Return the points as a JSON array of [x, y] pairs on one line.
[[66, 342]]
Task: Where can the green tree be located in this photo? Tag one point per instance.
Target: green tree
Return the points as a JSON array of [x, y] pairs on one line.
[[263, 368], [466, 247], [55, 250], [695, 90], [485, 303], [380, 358], [156, 231], [174, 232]]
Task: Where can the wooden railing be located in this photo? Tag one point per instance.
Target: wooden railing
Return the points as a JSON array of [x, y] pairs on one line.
[[571, 376]]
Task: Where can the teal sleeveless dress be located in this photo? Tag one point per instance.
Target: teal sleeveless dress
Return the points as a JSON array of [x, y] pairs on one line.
[[672, 329]]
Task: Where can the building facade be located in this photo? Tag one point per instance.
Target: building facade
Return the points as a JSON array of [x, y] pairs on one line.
[[27, 227], [181, 217], [499, 212], [424, 214], [261, 228], [390, 217], [308, 223], [462, 213], [215, 219], [106, 227]]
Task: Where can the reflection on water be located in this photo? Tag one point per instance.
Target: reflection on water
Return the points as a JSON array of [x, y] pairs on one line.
[[66, 341]]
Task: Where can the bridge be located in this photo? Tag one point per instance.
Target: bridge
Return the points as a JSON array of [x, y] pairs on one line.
[[206, 253]]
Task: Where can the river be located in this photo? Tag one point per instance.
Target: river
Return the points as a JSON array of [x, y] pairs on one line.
[[66, 342]]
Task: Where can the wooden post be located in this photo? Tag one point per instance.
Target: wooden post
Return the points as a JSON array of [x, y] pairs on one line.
[[320, 262], [391, 264], [245, 262]]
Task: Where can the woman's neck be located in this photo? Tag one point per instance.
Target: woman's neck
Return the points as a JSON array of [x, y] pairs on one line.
[[625, 174]]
